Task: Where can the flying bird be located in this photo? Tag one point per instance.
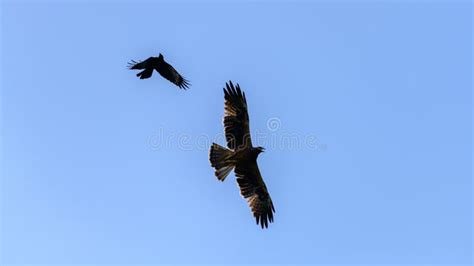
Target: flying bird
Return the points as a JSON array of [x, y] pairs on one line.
[[161, 66], [241, 156]]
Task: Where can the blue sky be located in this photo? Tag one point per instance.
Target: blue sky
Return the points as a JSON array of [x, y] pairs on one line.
[[100, 167]]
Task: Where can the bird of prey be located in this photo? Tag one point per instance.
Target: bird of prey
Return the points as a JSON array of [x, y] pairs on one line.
[[241, 156], [161, 66]]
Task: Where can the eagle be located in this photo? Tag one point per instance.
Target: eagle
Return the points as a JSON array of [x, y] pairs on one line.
[[159, 64], [241, 156]]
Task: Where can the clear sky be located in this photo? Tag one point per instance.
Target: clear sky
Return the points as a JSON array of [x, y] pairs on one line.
[[98, 166]]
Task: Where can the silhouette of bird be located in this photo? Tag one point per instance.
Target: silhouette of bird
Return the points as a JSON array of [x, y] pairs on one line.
[[241, 156], [161, 66]]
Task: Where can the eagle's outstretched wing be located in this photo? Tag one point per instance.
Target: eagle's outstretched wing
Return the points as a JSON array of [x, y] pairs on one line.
[[169, 73], [253, 189], [236, 118]]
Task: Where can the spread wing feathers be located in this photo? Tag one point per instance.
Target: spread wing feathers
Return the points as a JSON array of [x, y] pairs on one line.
[[236, 118], [169, 73], [253, 189], [146, 65], [139, 65]]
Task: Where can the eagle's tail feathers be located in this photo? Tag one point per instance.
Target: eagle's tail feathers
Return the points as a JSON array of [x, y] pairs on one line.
[[221, 159]]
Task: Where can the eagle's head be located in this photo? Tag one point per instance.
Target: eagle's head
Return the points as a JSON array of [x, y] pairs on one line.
[[260, 150]]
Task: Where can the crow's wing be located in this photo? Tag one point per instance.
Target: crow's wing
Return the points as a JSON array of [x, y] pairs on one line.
[[253, 189], [236, 118], [169, 73], [149, 63]]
